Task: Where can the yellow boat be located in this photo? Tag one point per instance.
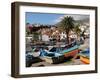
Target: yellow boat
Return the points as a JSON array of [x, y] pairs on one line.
[[85, 59]]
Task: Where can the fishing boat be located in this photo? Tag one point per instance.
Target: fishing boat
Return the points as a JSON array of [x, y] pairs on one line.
[[50, 57], [84, 59], [57, 55], [71, 51], [84, 56]]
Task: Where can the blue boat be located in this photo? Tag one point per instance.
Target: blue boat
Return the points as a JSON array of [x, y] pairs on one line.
[[56, 54], [85, 52], [85, 56]]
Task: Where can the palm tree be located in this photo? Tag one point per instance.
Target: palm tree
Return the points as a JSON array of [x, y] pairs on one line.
[[67, 25], [84, 31], [77, 30]]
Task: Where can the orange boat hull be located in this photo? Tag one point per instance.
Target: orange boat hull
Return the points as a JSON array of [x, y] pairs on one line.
[[84, 60], [71, 53]]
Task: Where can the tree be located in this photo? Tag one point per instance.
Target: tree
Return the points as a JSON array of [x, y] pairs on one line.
[[27, 29], [83, 33], [77, 30], [67, 25]]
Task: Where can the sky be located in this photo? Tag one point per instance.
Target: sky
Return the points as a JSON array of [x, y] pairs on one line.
[[48, 18]]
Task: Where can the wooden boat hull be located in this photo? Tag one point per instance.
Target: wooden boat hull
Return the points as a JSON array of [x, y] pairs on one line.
[[65, 55], [71, 53], [84, 59], [54, 60]]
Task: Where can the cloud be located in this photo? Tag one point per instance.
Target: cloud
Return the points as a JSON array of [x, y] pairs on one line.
[[75, 16]]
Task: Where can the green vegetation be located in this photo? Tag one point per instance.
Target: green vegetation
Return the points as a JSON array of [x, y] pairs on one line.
[[77, 30], [35, 36], [67, 25]]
